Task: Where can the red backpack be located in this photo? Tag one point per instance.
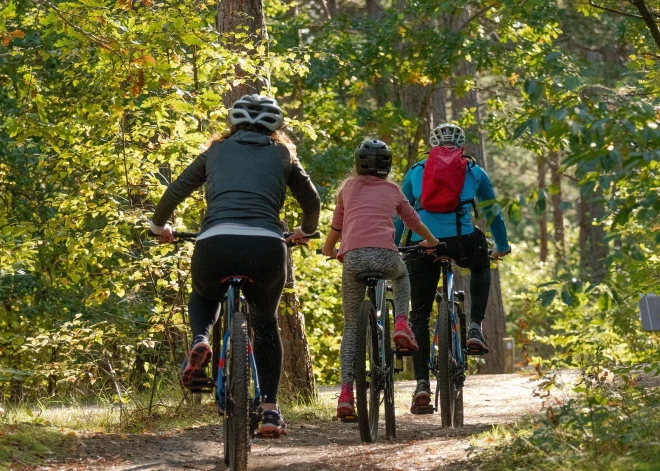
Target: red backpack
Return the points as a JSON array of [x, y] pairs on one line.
[[443, 178]]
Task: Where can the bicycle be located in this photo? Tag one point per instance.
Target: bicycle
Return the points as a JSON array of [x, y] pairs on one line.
[[232, 365], [448, 360], [373, 368]]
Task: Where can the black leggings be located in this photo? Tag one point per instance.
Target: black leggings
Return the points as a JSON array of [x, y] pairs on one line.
[[424, 277], [263, 260]]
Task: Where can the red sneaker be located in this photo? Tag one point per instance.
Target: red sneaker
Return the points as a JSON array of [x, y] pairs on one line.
[[192, 371], [346, 402], [403, 336]]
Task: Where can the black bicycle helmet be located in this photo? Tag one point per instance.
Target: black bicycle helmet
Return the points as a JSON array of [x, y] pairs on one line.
[[373, 157], [257, 109]]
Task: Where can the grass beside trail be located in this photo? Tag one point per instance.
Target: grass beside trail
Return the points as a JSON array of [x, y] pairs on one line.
[[28, 444], [31, 434], [604, 428]]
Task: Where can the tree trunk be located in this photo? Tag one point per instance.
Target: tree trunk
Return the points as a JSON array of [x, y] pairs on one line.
[[494, 325], [558, 217], [543, 221], [593, 247], [599, 248], [297, 374], [584, 222], [233, 16]]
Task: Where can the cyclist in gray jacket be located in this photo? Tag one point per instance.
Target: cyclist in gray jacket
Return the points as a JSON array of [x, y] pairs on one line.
[[246, 173]]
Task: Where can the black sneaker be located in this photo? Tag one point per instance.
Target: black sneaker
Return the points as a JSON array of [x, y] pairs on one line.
[[476, 342], [193, 374], [421, 403], [272, 424]]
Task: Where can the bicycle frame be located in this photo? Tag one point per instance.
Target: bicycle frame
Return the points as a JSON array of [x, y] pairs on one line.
[[448, 294], [234, 302]]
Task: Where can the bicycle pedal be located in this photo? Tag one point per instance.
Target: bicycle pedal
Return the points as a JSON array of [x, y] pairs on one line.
[[404, 352], [349, 419], [424, 410], [201, 385], [475, 352]]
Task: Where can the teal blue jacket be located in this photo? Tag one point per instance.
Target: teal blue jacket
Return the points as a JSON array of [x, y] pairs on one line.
[[477, 184]]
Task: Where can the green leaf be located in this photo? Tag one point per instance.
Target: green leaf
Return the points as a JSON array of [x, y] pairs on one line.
[[566, 297], [552, 56], [565, 205], [604, 302], [520, 129], [530, 86], [540, 206], [571, 83], [515, 213], [547, 297]]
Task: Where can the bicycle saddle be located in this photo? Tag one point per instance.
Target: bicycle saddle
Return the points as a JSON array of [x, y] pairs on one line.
[[363, 276]]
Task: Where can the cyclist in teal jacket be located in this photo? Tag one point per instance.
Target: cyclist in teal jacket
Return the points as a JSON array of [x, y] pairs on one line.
[[470, 252]]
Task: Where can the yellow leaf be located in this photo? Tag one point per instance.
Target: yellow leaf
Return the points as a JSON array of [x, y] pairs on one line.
[[124, 436], [71, 434]]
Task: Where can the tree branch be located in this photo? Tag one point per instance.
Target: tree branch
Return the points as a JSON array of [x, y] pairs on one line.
[[648, 19], [612, 10]]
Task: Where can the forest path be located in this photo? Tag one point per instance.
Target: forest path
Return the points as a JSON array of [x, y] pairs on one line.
[[420, 445]]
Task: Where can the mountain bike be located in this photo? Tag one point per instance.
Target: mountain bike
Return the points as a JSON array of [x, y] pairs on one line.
[[373, 365], [234, 371], [448, 359]]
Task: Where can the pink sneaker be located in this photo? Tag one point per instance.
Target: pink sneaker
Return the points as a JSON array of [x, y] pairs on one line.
[[345, 404], [403, 336]]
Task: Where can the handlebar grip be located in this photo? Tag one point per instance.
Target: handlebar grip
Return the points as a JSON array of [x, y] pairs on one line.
[[185, 235]]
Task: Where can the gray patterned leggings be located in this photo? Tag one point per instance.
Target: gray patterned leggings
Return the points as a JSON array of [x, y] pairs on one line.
[[353, 294]]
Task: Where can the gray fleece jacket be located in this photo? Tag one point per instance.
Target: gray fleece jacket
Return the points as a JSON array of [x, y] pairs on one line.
[[246, 176]]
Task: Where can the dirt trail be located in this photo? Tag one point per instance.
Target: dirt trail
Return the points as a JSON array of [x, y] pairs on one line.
[[420, 445]]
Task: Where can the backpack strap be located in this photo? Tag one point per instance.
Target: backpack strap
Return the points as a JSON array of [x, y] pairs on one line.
[[460, 211]]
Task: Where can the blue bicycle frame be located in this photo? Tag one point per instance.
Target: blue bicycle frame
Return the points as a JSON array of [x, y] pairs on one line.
[[448, 292], [234, 303]]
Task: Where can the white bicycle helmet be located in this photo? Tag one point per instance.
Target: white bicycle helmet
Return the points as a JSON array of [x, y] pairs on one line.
[[447, 134], [257, 109]]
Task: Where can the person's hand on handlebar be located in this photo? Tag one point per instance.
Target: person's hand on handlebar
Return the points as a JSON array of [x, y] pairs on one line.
[[298, 237], [164, 235], [496, 255], [429, 244]]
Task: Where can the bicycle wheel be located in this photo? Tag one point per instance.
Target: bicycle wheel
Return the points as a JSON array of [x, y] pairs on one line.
[[237, 423], [390, 419], [451, 396], [366, 374]]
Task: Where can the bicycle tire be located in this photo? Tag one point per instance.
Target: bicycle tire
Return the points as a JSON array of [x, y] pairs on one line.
[[459, 414], [390, 408], [238, 422], [226, 375], [366, 387], [446, 388]]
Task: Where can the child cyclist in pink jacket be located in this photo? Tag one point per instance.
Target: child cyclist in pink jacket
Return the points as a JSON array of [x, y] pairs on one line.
[[364, 219]]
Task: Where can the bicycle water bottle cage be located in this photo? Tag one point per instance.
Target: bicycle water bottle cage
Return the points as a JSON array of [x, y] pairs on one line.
[[370, 277]]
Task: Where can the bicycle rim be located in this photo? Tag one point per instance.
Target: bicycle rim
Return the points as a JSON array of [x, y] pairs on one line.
[[390, 417], [238, 421], [446, 386], [366, 383]]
